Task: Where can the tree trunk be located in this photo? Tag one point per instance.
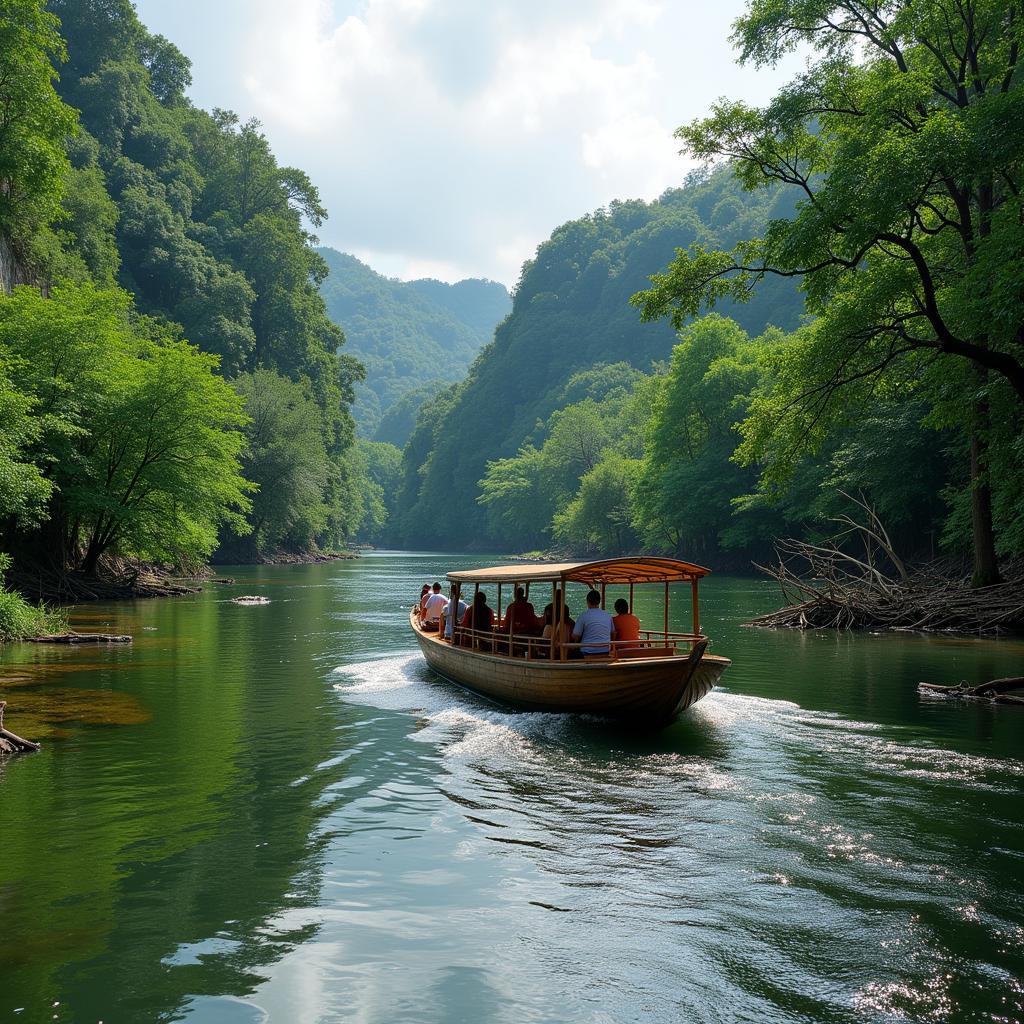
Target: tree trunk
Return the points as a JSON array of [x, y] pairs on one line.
[[986, 566]]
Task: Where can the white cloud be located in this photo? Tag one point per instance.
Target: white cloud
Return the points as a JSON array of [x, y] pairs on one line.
[[452, 136]]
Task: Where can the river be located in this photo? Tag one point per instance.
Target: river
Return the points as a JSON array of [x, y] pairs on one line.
[[276, 813]]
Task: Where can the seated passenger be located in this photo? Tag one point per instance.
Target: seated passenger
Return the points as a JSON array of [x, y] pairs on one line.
[[480, 618], [430, 614], [520, 618], [451, 620], [594, 628], [424, 594], [626, 625], [564, 627]]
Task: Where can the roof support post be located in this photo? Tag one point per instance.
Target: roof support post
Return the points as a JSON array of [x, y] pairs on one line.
[[696, 609], [666, 613], [555, 618]]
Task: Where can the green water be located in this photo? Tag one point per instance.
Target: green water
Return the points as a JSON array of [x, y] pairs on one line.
[[277, 813]]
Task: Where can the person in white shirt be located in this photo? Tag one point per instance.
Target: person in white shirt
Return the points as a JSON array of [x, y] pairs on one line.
[[430, 617], [593, 628]]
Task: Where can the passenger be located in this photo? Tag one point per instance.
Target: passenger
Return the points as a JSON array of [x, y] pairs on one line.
[[520, 617], [450, 620], [430, 615], [626, 625], [479, 618], [564, 627], [424, 594], [594, 629]]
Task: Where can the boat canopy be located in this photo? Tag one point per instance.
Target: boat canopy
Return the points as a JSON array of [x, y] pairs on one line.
[[608, 571]]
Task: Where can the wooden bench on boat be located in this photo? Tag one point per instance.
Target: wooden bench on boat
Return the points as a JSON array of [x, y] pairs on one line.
[[646, 681]]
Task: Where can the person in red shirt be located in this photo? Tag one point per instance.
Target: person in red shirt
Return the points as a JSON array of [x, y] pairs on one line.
[[626, 626], [520, 618]]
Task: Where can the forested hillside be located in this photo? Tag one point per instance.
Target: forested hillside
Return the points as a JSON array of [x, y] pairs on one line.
[[170, 382], [413, 337], [571, 315], [584, 429]]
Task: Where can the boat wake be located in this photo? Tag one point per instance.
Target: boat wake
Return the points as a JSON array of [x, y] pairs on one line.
[[464, 724]]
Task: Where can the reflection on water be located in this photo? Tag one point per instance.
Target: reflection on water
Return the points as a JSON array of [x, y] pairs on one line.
[[303, 823]]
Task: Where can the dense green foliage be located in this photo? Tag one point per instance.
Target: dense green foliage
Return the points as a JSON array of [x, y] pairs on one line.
[[571, 313], [407, 334], [904, 144], [142, 222], [33, 122], [136, 437]]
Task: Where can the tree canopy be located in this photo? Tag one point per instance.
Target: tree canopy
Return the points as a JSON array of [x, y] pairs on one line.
[[903, 144]]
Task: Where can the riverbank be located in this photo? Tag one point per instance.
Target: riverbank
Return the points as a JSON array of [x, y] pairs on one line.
[[27, 605]]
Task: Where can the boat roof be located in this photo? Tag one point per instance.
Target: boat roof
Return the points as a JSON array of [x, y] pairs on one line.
[[607, 570]]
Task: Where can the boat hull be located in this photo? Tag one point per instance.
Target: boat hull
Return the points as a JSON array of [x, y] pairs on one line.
[[640, 691]]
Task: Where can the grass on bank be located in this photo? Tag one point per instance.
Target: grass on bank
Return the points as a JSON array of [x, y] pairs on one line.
[[19, 619]]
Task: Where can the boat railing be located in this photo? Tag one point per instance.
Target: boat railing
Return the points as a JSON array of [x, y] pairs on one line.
[[652, 644]]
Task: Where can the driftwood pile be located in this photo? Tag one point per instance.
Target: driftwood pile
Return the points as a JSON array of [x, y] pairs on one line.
[[856, 580], [117, 579], [11, 742], [1009, 690]]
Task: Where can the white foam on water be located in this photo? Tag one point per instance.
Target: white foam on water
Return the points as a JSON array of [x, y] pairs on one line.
[[465, 725], [469, 727]]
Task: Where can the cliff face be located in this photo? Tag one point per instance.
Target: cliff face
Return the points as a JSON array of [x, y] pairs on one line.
[[12, 272]]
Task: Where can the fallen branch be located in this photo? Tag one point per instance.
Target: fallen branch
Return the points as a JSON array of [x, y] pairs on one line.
[[995, 691], [11, 742], [80, 638]]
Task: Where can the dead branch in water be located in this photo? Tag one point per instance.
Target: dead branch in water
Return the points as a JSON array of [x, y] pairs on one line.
[[80, 638], [11, 742], [856, 580], [995, 691]]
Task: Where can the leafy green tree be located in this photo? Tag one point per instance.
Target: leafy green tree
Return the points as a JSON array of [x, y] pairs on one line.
[[286, 458], [24, 490], [34, 122], [600, 517], [140, 437], [382, 472], [904, 144], [518, 497], [685, 491]]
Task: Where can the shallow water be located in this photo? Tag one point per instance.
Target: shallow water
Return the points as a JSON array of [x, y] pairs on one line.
[[277, 813]]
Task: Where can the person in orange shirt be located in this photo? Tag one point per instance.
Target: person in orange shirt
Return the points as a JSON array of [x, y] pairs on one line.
[[626, 626]]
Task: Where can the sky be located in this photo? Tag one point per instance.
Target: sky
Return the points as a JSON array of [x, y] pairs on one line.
[[449, 138]]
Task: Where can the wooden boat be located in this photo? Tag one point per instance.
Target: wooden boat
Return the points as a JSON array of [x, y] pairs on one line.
[[645, 682]]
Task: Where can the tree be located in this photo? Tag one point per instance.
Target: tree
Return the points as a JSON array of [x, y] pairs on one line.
[[688, 483], [600, 517], [286, 458], [140, 437], [381, 475], [34, 122], [904, 143], [24, 490]]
